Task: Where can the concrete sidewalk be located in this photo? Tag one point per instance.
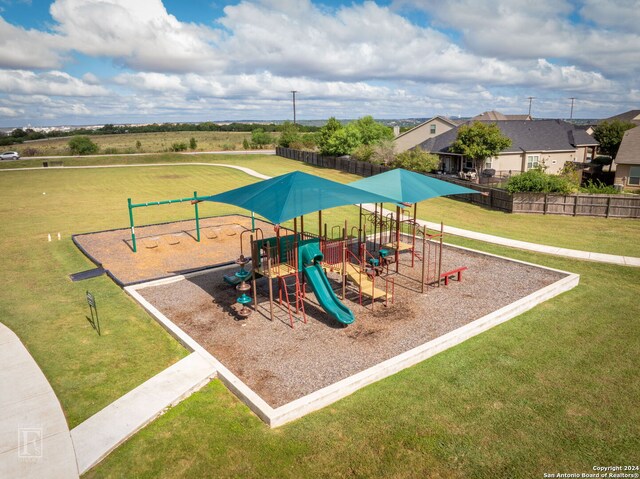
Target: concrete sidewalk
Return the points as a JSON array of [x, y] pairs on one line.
[[95, 438], [538, 248], [34, 437]]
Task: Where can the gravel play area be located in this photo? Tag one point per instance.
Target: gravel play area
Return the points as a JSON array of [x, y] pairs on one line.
[[282, 364], [169, 249]]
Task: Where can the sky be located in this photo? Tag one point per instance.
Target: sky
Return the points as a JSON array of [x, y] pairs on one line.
[[83, 62]]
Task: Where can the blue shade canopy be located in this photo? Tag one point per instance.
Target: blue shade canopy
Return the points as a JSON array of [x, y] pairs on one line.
[[287, 196], [409, 187]]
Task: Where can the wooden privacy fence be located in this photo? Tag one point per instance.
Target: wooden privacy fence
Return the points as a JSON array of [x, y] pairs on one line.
[[608, 206]]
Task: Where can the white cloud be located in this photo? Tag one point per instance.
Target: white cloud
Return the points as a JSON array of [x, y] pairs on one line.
[[357, 59], [140, 34], [55, 83], [522, 29], [23, 48], [9, 112]]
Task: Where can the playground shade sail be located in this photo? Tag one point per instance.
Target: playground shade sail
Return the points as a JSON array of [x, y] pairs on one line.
[[409, 187], [287, 196]]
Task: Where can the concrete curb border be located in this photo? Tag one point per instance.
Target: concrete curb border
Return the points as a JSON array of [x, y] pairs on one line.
[[334, 392]]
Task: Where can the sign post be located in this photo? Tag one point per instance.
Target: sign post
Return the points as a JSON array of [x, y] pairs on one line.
[[94, 320]]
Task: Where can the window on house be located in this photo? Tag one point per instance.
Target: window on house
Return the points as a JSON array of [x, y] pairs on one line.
[[634, 175], [487, 163], [532, 161], [432, 129], [468, 163]]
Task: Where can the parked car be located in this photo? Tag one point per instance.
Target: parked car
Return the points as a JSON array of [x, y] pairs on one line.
[[10, 155], [468, 174]]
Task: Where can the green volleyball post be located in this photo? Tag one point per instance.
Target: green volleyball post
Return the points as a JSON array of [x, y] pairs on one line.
[[195, 204], [133, 229]]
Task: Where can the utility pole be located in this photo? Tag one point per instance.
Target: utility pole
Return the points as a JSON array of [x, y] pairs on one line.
[[571, 115], [294, 105], [531, 98]]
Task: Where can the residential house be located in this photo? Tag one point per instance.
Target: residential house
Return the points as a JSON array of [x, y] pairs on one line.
[[541, 142], [416, 135], [497, 116], [628, 160], [631, 116]]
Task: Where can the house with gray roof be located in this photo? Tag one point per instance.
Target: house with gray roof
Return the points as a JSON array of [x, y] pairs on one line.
[[539, 142], [631, 116], [628, 160], [494, 115], [422, 132]]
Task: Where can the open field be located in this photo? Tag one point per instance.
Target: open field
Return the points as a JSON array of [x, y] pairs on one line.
[[614, 236], [553, 390], [149, 142]]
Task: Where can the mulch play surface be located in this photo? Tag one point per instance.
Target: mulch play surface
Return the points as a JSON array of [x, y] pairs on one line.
[[170, 249], [282, 364]]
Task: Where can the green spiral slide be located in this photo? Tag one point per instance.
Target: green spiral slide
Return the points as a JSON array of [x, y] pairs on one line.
[[310, 256]]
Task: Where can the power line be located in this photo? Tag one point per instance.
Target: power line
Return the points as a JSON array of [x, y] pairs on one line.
[[294, 105], [572, 100]]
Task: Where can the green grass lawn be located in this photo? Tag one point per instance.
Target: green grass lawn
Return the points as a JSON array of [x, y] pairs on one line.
[[613, 236], [553, 390]]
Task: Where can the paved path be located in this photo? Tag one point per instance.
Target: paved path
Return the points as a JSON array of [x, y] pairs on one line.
[[248, 171], [34, 436], [95, 438], [539, 248]]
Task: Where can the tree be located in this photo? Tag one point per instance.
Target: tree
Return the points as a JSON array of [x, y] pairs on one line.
[[290, 134], [82, 145], [260, 139], [336, 140], [372, 132], [326, 132], [609, 135], [343, 141], [193, 144], [480, 141]]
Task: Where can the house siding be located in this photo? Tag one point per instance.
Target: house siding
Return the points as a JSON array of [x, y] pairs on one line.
[[420, 133]]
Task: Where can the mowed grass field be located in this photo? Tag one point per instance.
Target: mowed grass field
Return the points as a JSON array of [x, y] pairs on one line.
[[554, 390], [149, 142]]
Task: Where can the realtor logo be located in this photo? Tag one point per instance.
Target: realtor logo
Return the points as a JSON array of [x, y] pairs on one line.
[[30, 442]]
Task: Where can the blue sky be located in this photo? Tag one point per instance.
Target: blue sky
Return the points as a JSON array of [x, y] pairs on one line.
[[117, 61]]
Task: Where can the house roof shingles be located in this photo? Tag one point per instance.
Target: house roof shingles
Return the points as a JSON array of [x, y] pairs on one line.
[[525, 135], [629, 151], [632, 116]]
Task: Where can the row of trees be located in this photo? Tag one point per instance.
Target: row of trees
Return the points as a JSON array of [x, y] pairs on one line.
[[20, 135]]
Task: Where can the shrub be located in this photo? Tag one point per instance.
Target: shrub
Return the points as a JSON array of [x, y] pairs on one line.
[[363, 153], [537, 181], [82, 145], [290, 135], [598, 187], [30, 152], [138, 145], [229, 146], [178, 147], [245, 144], [417, 160], [110, 151], [193, 144]]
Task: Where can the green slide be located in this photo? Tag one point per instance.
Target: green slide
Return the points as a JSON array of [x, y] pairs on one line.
[[310, 257]]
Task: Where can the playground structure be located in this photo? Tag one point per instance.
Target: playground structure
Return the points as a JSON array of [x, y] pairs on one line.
[[299, 259], [360, 259]]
